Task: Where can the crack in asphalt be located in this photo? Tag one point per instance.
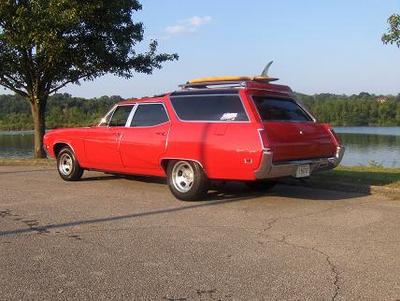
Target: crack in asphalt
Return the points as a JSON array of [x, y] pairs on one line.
[[206, 293], [334, 272], [33, 224], [283, 240], [333, 268], [175, 298], [344, 206]]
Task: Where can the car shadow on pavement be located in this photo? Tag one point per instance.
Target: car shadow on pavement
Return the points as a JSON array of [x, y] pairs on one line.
[[110, 176], [183, 206], [222, 190], [220, 194], [233, 189]]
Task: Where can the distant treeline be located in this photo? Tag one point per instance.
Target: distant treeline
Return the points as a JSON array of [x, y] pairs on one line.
[[363, 109], [63, 110]]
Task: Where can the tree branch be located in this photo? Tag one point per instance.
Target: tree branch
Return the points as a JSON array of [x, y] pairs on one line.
[[4, 82], [15, 81], [69, 82]]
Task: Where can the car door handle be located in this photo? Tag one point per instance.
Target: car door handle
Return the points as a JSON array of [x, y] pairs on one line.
[[161, 133]]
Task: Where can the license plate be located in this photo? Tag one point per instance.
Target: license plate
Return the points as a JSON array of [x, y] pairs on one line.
[[303, 171]]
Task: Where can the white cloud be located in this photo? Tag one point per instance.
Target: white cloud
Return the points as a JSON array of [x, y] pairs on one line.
[[198, 21], [187, 25]]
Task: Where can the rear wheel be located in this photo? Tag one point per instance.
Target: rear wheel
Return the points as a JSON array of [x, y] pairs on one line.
[[261, 185], [187, 180], [67, 165]]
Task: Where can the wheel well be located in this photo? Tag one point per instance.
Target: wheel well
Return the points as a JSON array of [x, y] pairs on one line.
[[164, 163], [58, 147]]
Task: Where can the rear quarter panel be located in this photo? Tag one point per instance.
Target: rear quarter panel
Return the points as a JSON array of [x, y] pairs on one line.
[[226, 150]]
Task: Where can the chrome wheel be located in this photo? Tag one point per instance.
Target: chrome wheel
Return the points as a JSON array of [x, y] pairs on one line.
[[182, 176], [66, 164]]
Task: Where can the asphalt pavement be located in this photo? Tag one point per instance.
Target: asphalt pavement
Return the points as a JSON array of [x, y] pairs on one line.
[[128, 238]]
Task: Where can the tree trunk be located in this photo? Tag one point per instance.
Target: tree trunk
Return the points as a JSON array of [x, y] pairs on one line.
[[38, 107]]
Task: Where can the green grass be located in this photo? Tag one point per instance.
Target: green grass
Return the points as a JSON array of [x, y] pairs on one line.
[[362, 175], [26, 162]]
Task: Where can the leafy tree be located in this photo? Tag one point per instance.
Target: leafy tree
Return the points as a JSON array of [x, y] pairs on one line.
[[393, 34], [47, 44]]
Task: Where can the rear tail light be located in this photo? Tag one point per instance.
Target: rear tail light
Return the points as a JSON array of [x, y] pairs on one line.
[[263, 139], [333, 133]]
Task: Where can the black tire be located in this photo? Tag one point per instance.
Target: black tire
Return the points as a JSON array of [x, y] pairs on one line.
[[261, 185], [67, 165], [182, 185]]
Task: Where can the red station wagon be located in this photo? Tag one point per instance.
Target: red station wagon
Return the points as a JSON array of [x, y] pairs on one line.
[[242, 129]]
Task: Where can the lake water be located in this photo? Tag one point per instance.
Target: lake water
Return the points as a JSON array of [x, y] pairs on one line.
[[16, 144], [364, 145], [371, 145]]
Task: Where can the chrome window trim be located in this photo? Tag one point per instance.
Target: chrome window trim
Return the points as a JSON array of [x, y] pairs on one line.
[[112, 111], [301, 105], [202, 95], [130, 117], [116, 107], [148, 126], [211, 121]]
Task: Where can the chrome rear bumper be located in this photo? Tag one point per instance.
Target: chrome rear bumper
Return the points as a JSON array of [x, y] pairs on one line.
[[268, 169]]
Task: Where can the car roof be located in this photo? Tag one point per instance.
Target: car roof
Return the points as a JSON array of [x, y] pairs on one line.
[[155, 98], [210, 89], [185, 92]]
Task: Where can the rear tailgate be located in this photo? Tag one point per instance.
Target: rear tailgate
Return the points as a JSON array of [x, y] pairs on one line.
[[299, 140], [291, 132]]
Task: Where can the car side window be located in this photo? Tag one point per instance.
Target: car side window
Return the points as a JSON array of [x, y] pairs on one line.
[[209, 108], [120, 116], [149, 115]]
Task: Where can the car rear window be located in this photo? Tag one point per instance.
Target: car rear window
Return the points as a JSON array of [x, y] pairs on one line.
[[279, 109], [209, 108]]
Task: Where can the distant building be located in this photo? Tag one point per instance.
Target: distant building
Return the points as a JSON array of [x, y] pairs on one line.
[[382, 99]]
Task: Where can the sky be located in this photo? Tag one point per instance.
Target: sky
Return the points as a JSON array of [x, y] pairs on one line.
[[317, 46]]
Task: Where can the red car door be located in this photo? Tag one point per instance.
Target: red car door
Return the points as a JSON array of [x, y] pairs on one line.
[[102, 142], [144, 140]]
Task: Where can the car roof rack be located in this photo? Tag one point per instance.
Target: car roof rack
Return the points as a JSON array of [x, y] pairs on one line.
[[225, 82], [209, 85]]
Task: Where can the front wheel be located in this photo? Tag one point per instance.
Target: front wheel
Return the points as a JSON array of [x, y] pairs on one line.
[[67, 165], [187, 180]]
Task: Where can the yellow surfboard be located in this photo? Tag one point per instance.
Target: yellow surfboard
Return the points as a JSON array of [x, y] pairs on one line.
[[230, 79]]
